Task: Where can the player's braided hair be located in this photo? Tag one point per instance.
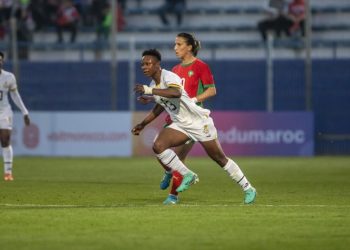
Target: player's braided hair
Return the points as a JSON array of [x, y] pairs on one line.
[[191, 40]]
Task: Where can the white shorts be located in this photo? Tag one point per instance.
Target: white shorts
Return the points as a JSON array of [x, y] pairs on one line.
[[200, 130], [6, 119]]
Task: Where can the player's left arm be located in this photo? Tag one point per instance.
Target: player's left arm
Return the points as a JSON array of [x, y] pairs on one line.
[[207, 80], [208, 93], [173, 91], [19, 103]]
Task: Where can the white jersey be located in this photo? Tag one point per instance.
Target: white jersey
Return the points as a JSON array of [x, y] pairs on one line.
[[7, 83], [183, 110]]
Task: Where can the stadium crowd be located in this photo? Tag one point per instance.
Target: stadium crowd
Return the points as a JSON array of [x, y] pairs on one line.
[[60, 15]]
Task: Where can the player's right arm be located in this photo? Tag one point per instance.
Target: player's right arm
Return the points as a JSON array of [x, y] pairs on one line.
[[155, 112]]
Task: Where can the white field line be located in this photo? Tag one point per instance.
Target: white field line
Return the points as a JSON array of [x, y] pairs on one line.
[[160, 205]]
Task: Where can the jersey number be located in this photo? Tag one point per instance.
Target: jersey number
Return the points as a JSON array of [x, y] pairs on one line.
[[168, 104]]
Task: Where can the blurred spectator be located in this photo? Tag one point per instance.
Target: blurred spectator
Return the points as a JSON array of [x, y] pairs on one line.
[[82, 7], [275, 11], [25, 25], [39, 14], [25, 28], [98, 12], [44, 12], [285, 17], [67, 19], [103, 16], [176, 7], [51, 10], [5, 14], [296, 13], [104, 25], [6, 9]]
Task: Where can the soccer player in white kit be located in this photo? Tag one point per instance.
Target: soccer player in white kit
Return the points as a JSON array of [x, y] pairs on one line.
[[190, 121], [8, 85]]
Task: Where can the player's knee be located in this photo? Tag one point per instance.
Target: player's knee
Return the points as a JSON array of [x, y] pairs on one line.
[[158, 147], [5, 144]]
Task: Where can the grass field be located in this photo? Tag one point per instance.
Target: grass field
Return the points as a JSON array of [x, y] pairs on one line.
[[116, 203]]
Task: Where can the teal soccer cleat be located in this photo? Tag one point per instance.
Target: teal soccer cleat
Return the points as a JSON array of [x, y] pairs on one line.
[[165, 182], [187, 181], [171, 200], [249, 196]]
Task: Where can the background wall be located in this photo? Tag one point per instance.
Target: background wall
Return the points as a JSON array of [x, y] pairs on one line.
[[66, 86]]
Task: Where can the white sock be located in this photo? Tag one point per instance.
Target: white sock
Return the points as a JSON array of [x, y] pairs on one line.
[[236, 174], [7, 155], [171, 160]]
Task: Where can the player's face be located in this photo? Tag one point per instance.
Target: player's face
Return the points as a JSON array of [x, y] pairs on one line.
[[181, 48], [149, 65]]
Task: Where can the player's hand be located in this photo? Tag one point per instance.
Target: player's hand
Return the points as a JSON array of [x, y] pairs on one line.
[[137, 129], [26, 120], [145, 99], [138, 89]]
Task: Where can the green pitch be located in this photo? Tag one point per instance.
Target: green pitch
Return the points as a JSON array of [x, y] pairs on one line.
[[113, 203]]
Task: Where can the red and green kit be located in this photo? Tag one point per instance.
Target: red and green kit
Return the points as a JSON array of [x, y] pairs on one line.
[[196, 77]]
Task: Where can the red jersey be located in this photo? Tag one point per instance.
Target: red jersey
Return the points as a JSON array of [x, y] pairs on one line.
[[196, 77]]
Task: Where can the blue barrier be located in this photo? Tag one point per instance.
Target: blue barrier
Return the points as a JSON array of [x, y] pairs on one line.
[[63, 86]]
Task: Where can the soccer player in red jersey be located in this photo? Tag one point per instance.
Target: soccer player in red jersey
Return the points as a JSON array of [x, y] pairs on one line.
[[199, 84]]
